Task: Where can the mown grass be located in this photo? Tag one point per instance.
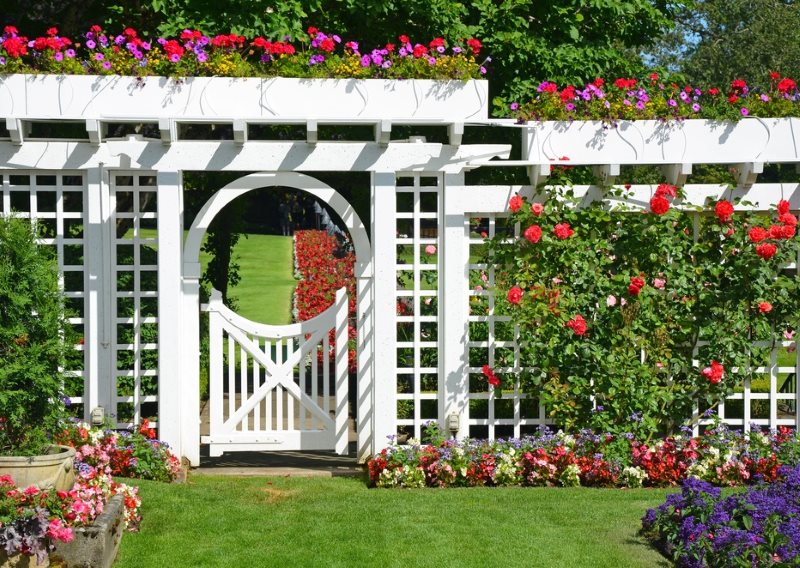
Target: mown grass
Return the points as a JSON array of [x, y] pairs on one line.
[[224, 521], [264, 293]]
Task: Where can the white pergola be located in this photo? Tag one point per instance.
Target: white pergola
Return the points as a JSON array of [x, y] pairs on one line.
[[137, 294]]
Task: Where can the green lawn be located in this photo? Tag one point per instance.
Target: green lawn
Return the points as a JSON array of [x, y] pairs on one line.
[[224, 521], [265, 290]]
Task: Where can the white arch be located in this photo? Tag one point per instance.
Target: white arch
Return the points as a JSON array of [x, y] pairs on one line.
[[189, 343], [194, 240]]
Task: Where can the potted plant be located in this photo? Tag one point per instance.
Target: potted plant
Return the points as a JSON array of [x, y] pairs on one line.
[[32, 354]]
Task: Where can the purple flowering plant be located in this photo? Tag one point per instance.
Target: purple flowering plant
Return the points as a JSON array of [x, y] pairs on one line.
[[318, 55], [699, 527], [656, 99]]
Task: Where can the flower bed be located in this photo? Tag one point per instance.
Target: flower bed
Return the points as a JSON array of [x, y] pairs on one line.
[[322, 268], [719, 456], [760, 527]]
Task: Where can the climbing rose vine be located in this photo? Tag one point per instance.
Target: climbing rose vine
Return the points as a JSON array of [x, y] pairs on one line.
[[626, 320]]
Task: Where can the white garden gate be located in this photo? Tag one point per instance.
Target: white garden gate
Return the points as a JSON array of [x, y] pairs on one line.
[[282, 387]]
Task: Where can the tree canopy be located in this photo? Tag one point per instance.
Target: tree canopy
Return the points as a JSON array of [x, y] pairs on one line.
[[527, 41]]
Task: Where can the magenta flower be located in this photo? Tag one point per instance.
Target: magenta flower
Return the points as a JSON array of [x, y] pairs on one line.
[[745, 112], [106, 65], [99, 57], [365, 61], [90, 44], [672, 103]]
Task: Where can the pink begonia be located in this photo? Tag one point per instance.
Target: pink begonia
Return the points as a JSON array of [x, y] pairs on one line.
[[611, 301], [659, 283], [430, 249]]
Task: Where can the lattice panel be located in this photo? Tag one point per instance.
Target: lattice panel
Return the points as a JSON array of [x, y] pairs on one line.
[[418, 206], [55, 202], [493, 339], [135, 279]]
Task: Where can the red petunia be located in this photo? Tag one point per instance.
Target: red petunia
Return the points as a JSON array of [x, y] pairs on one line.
[[474, 45], [515, 295], [563, 231], [786, 85], [724, 210], [766, 250], [659, 204], [533, 233], [515, 203]]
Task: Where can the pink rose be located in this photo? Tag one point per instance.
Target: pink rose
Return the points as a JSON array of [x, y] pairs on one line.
[[430, 250]]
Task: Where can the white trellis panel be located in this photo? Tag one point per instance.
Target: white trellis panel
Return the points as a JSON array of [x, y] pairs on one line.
[[135, 297], [55, 202], [493, 339], [419, 200], [278, 387]]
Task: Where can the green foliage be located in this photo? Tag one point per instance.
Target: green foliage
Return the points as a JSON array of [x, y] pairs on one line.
[[32, 345], [633, 369]]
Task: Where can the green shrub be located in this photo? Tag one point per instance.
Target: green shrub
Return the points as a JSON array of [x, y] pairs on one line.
[[32, 345]]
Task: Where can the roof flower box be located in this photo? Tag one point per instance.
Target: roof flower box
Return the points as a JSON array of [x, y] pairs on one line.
[[277, 99]]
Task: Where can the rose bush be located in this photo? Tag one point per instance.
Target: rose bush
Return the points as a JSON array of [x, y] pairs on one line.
[[617, 307]]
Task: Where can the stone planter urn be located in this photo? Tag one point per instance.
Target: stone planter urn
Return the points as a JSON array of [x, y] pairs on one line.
[[52, 470]]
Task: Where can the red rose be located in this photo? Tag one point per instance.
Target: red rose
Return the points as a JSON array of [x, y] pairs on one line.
[[533, 233], [766, 250], [562, 231], [577, 325], [724, 210], [764, 307], [659, 205], [666, 189], [786, 85], [787, 219], [713, 92], [775, 232], [783, 206], [636, 286], [788, 231], [515, 203], [515, 295], [537, 209], [738, 86], [714, 373], [757, 234], [491, 378]]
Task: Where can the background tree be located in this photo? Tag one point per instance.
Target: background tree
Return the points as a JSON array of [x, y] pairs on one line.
[[715, 41]]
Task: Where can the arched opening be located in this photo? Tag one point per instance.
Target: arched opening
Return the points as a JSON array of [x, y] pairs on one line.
[[347, 238]]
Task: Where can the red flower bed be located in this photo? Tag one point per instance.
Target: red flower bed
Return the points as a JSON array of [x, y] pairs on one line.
[[322, 271]]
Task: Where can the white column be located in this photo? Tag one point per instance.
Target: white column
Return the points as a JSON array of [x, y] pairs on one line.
[[453, 320], [190, 361], [365, 376], [384, 305], [100, 306], [170, 253]]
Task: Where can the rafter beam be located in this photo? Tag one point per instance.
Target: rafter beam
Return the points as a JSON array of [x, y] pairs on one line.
[[677, 174], [606, 173], [455, 133], [747, 173], [383, 132]]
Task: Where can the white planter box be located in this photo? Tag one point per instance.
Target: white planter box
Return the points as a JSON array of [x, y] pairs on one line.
[[654, 142], [31, 97]]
